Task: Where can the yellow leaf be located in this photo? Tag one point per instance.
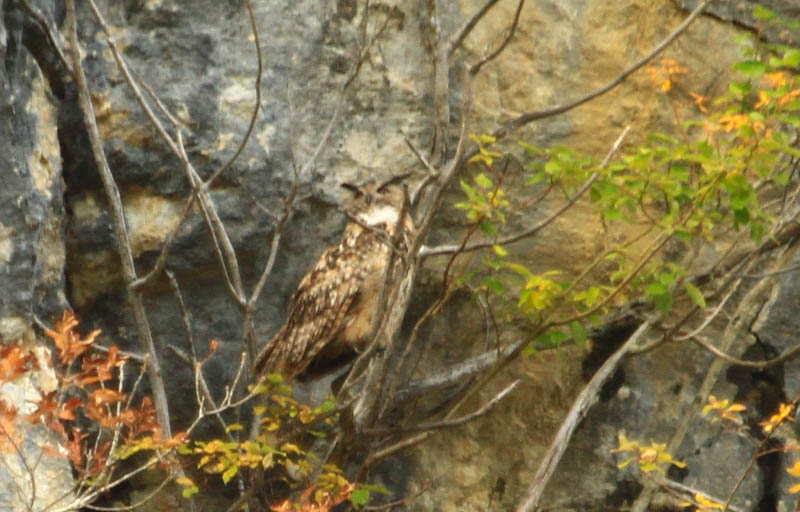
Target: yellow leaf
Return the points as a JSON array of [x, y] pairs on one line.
[[289, 447], [625, 445], [624, 463], [794, 489], [185, 481], [794, 470], [707, 503]]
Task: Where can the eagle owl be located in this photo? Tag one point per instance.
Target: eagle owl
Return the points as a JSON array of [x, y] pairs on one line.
[[330, 315]]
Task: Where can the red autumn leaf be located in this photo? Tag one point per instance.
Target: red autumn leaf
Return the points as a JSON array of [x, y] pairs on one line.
[[100, 458], [99, 368], [8, 415], [177, 440], [68, 343], [51, 452], [46, 408], [74, 448], [14, 362], [106, 396], [67, 411], [101, 415], [127, 417]]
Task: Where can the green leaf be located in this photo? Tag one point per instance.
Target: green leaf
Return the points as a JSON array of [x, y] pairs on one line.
[[739, 89], [751, 68], [275, 378], [494, 285], [359, 497], [535, 178], [791, 58], [578, 333], [762, 13], [741, 217], [553, 167], [663, 302], [484, 181], [531, 149], [230, 473], [782, 178], [695, 294], [488, 228], [188, 492], [666, 278], [500, 250], [519, 269], [655, 289], [552, 338]]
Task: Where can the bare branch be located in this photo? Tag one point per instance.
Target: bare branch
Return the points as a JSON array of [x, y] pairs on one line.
[[120, 229], [52, 36], [788, 355], [577, 412], [689, 493], [524, 119], [132, 506], [744, 314], [458, 372], [475, 68], [226, 254], [431, 428], [130, 80], [425, 427], [257, 105], [465, 30], [451, 249]]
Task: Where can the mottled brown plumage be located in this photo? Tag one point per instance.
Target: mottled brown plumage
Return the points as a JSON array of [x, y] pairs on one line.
[[330, 315]]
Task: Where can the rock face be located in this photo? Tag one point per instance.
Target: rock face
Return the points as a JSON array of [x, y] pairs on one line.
[[56, 238]]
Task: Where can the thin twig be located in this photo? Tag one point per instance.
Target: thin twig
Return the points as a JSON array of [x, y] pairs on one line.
[[24, 460], [450, 249], [465, 30], [432, 428], [475, 68], [438, 425], [257, 105], [134, 505], [577, 412], [52, 36], [120, 229], [524, 119]]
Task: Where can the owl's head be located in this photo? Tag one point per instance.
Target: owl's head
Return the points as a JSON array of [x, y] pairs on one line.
[[377, 202]]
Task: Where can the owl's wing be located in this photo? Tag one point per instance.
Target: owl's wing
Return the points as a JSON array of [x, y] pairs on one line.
[[316, 311]]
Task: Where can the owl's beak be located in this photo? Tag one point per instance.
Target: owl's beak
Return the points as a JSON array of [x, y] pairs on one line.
[[368, 199]]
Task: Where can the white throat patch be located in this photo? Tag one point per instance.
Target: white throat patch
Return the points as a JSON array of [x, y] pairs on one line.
[[381, 215]]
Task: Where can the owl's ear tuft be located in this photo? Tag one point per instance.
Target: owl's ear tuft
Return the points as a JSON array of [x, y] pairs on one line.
[[394, 180], [354, 189]]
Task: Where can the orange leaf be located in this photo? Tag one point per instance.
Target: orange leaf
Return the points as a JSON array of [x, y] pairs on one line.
[[105, 395], [75, 449], [14, 362], [68, 343], [46, 409], [67, 411]]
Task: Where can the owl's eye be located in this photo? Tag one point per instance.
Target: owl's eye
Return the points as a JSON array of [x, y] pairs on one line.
[[357, 192]]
